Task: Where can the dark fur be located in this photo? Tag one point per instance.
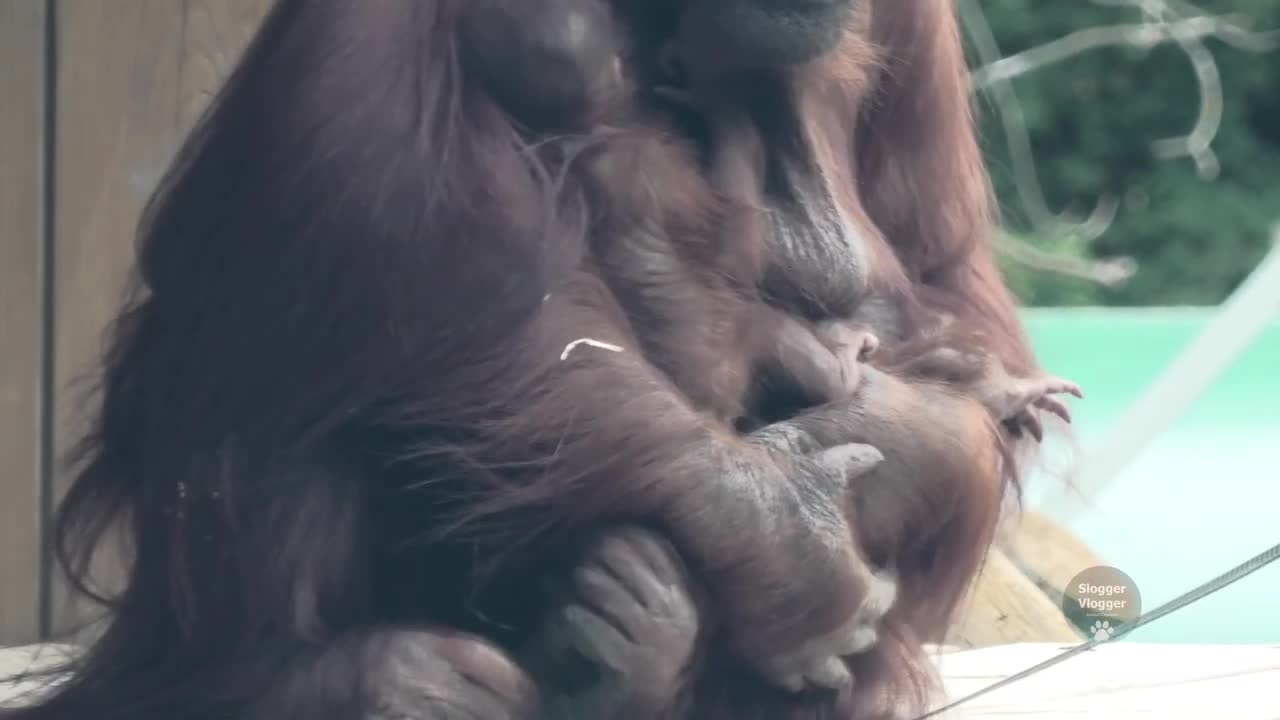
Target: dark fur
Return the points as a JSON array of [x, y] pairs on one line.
[[340, 379], [684, 260]]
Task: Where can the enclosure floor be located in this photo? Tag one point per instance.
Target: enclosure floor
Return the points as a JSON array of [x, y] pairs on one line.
[[1119, 681]]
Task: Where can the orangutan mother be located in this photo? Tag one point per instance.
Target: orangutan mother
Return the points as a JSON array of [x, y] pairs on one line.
[[856, 151], [375, 387]]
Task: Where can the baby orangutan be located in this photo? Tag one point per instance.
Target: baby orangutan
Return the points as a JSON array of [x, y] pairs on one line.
[[1010, 400]]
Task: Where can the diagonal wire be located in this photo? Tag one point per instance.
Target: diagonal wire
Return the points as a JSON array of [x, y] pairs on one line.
[[1230, 577]]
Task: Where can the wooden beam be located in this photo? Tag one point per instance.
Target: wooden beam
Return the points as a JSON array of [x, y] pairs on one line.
[[22, 313], [117, 108], [1046, 552], [1005, 606]]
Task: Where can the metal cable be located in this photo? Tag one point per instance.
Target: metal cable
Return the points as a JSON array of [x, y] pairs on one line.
[[1231, 576]]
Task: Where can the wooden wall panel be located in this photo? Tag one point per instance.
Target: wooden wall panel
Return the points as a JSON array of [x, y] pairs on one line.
[[22, 319], [214, 34], [132, 76]]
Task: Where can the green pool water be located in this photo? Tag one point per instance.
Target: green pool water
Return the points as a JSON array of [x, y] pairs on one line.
[[1201, 499]]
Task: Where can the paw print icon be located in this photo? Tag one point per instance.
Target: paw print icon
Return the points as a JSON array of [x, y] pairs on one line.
[[1102, 630]]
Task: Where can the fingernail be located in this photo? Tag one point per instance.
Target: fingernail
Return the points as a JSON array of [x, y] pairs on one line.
[[862, 639], [831, 674]]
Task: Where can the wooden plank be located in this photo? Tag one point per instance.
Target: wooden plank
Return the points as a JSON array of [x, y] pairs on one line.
[[21, 681], [132, 76], [117, 105], [214, 34], [1018, 596], [1047, 552], [22, 270], [1005, 606]]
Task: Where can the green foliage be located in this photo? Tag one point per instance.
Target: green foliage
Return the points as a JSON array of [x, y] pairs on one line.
[[1093, 119]]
